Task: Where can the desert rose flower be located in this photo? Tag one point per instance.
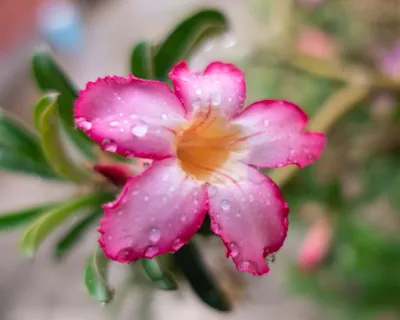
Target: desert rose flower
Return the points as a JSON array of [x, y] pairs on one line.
[[206, 151]]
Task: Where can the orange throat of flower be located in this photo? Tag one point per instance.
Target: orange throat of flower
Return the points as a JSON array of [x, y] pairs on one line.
[[206, 146]]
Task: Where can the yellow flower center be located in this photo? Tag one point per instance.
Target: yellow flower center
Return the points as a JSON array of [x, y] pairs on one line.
[[206, 145]]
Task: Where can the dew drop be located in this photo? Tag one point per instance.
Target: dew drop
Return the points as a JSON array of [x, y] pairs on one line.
[[121, 114], [216, 98], [140, 129], [146, 198], [135, 192], [151, 251], [270, 258], [183, 218], [233, 249], [266, 123], [176, 244], [164, 116], [225, 205], [212, 191], [198, 92], [280, 165], [109, 145], [114, 124], [310, 157], [247, 265], [196, 103], [216, 227], [84, 124], [155, 235]]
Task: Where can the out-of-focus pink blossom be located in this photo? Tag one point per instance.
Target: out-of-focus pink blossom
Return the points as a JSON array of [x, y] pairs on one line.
[[205, 151], [315, 245], [317, 43], [390, 62]]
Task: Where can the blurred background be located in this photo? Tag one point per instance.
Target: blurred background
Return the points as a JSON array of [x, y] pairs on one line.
[[338, 59]]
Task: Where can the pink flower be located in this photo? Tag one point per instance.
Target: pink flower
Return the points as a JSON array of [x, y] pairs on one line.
[[205, 150], [316, 245]]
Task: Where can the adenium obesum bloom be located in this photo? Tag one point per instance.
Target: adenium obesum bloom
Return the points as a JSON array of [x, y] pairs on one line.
[[206, 151]]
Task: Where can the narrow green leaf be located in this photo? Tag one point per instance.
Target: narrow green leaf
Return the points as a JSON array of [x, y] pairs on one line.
[[37, 232], [20, 149], [142, 60], [72, 237], [11, 220], [183, 39], [50, 77], [47, 121], [189, 261], [96, 277], [157, 273]]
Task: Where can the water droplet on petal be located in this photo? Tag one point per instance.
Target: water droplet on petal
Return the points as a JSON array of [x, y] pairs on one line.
[[270, 258], [183, 218], [155, 235], [247, 265], [266, 123], [225, 205], [216, 98], [151, 251], [135, 192], [233, 249], [84, 124], [280, 165], [114, 124], [310, 157], [212, 191], [198, 92], [140, 129], [164, 116], [146, 198], [109, 145], [216, 228], [176, 244], [196, 103]]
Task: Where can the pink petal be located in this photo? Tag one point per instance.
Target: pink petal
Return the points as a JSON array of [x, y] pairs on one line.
[[130, 116], [250, 216], [220, 84], [156, 212], [274, 135]]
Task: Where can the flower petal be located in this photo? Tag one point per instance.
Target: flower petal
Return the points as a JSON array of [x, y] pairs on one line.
[[156, 212], [220, 84], [130, 116], [274, 135], [251, 218]]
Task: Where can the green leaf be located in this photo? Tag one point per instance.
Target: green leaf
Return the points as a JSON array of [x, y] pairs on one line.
[[142, 60], [50, 77], [96, 277], [157, 273], [20, 149], [183, 39], [189, 261], [72, 237], [37, 232], [10, 220], [46, 120]]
